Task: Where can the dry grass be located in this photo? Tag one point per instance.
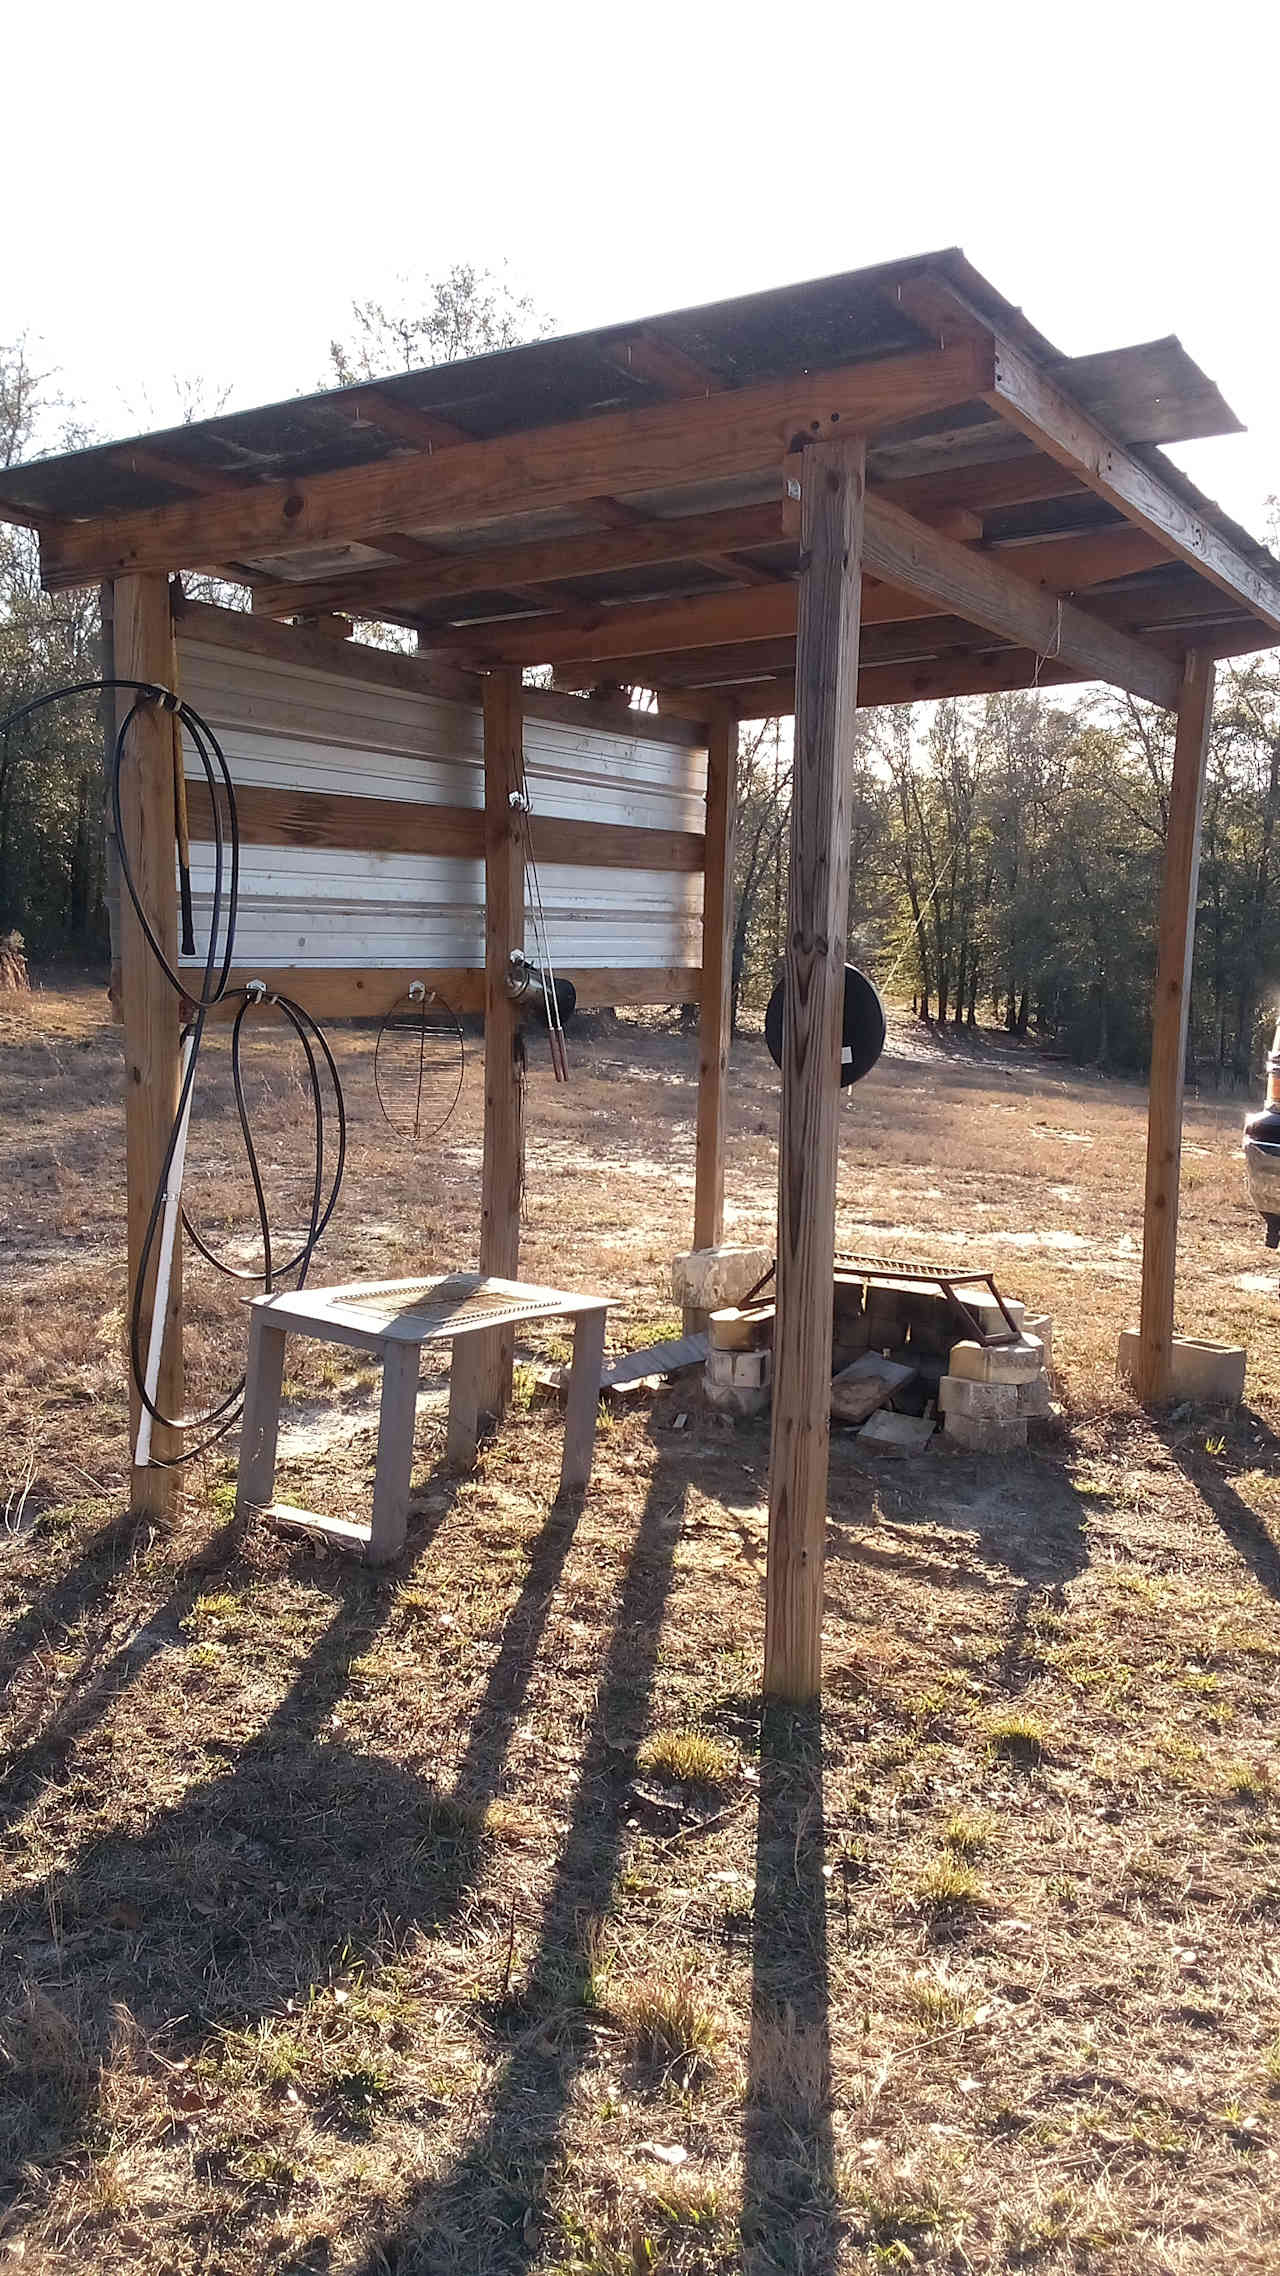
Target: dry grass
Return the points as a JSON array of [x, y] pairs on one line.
[[470, 1917]]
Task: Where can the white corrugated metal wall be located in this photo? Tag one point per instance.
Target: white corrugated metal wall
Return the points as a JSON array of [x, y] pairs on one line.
[[294, 727]]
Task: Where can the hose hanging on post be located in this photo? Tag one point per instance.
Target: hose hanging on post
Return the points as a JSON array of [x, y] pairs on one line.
[[224, 908]]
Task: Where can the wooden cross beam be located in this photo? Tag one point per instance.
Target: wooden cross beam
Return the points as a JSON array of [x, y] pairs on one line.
[[699, 439]]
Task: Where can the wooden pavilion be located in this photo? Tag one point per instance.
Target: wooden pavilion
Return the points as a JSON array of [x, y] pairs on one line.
[[873, 489]]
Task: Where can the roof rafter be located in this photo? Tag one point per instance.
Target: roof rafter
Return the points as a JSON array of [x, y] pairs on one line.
[[737, 431]]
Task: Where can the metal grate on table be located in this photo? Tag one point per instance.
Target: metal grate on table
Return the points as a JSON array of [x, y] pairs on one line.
[[442, 1307]]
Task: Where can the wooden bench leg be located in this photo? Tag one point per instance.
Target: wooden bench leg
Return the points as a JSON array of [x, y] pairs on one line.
[[396, 1418], [464, 1404], [583, 1402], [260, 1424]]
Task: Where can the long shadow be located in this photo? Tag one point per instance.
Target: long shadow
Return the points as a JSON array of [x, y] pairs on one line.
[[244, 1894], [789, 2200], [38, 1747], [1251, 1444], [486, 2213]]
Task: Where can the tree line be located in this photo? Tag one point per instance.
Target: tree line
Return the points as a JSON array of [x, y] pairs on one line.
[[1005, 866]]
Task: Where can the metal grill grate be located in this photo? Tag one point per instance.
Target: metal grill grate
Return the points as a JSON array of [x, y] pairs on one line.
[[460, 1299]]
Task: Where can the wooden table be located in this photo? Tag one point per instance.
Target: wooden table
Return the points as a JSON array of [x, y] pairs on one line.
[[393, 1319]]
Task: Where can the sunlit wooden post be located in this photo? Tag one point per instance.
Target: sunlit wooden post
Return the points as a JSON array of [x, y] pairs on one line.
[[1170, 1012], [832, 488]]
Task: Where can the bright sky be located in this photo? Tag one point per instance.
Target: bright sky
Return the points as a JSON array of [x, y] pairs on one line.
[[199, 192]]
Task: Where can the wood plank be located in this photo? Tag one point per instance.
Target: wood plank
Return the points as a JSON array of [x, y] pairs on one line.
[[714, 999], [982, 488], [421, 430], [646, 355], [583, 1402], [738, 431], [832, 501], [393, 1472], [1034, 402], [1170, 1011], [926, 682], [987, 589], [205, 481], [279, 817], [143, 649], [318, 652], [415, 675], [332, 992], [504, 889], [639, 544]]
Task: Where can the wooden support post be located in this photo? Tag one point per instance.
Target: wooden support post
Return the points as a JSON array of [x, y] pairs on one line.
[[1171, 1007], [144, 650], [832, 490], [715, 1001], [503, 1044]]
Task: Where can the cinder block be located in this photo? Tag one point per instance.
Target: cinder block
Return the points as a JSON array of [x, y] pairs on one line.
[[888, 1315], [932, 1322], [736, 1398], [1210, 1372], [1018, 1362], [709, 1279], [984, 1307], [867, 1384], [990, 1402], [749, 1370], [732, 1330], [1041, 1324], [888, 1433], [1035, 1400], [974, 1435]]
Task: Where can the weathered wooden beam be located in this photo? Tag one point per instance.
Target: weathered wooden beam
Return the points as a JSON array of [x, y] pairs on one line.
[[421, 430], [981, 488], [715, 994], [143, 650], [737, 431], [272, 816], [832, 486], [638, 545], [366, 992], [991, 589], [646, 355], [1170, 1011], [1038, 406]]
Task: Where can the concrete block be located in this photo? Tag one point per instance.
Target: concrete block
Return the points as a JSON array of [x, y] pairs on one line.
[[866, 1385], [1035, 1400], [706, 1280], [736, 1398], [1018, 1362], [888, 1315], [887, 1433], [1041, 1324], [984, 1307], [1212, 1373], [732, 1330], [747, 1369], [972, 1434], [990, 1402]]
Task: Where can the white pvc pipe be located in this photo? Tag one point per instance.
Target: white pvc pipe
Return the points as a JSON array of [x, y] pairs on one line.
[[164, 1269]]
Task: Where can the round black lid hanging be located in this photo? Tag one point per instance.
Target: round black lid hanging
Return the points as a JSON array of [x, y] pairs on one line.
[[862, 1033]]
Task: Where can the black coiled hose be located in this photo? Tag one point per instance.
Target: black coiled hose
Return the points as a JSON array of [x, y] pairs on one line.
[[214, 989]]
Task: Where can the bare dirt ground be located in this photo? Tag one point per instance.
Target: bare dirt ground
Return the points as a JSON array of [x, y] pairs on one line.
[[469, 1917]]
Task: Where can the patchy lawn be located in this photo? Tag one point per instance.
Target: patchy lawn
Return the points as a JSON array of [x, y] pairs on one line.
[[469, 1917]]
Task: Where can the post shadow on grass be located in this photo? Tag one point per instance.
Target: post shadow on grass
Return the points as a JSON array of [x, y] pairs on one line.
[[243, 1895], [231, 1901], [487, 2211], [1250, 1444], [38, 1749], [789, 2201]]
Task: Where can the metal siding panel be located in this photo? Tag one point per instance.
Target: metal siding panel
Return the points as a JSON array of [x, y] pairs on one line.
[[295, 727]]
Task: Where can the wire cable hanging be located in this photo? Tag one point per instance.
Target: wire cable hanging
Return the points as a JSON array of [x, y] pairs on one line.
[[213, 989]]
